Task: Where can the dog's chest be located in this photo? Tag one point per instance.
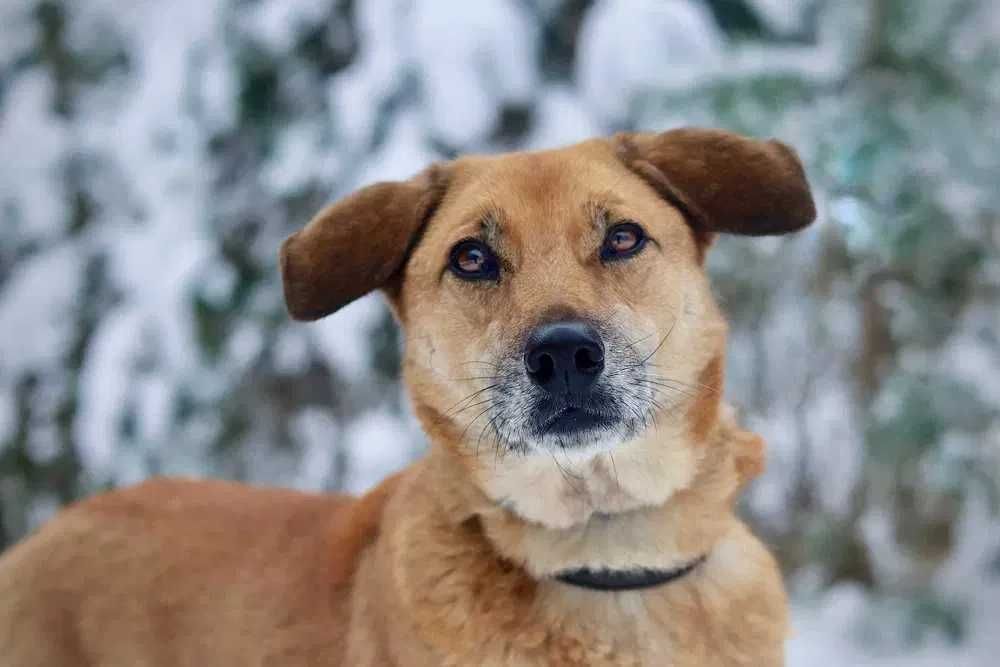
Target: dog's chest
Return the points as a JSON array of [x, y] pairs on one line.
[[574, 628], [636, 644], [677, 625]]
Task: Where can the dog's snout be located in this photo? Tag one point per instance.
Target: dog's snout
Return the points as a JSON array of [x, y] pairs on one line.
[[564, 357]]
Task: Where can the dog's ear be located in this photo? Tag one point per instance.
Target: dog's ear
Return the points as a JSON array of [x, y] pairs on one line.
[[357, 244], [723, 182]]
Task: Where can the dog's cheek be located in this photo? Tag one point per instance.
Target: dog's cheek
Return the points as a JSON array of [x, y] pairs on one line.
[[424, 353], [696, 326], [449, 354]]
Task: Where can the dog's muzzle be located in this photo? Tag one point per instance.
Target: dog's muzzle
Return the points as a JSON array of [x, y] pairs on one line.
[[564, 360]]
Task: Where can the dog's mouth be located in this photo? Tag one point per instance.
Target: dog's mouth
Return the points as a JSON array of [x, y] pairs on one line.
[[570, 420]]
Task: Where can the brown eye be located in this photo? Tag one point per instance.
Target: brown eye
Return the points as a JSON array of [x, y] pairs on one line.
[[473, 260], [623, 240]]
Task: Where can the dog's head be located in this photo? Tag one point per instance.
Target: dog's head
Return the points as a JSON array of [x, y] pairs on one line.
[[554, 301]]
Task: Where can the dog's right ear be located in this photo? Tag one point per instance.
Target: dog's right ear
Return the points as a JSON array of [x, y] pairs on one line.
[[357, 244]]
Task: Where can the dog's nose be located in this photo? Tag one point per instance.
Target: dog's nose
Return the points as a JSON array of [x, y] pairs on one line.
[[564, 357]]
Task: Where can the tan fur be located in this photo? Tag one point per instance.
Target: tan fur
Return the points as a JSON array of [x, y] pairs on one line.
[[451, 562]]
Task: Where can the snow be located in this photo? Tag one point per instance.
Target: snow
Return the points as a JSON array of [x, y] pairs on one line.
[[342, 338], [320, 433], [781, 15], [21, 32], [299, 156], [276, 23], [562, 118], [35, 139], [849, 625], [373, 444], [630, 46], [39, 299], [357, 93], [473, 58], [104, 387]]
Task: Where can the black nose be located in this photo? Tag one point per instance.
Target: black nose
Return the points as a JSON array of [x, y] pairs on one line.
[[564, 357]]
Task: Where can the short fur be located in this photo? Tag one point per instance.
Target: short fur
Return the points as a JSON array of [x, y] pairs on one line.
[[452, 561]]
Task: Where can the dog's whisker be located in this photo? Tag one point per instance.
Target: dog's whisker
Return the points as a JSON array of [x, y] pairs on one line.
[[489, 424], [662, 341], [449, 412], [566, 475], [471, 406], [484, 363], [692, 385], [618, 483], [631, 345], [474, 419], [684, 390]]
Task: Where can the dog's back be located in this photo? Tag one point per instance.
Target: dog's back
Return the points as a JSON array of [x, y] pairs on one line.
[[200, 573]]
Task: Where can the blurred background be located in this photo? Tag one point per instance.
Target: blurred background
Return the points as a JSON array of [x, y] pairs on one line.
[[154, 154]]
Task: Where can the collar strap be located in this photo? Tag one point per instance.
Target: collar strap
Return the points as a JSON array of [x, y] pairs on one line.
[[625, 580]]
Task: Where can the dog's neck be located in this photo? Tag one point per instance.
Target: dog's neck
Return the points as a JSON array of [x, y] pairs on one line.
[[641, 507], [479, 579], [562, 490]]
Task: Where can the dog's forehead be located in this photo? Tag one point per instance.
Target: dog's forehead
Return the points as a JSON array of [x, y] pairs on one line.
[[538, 175], [558, 186]]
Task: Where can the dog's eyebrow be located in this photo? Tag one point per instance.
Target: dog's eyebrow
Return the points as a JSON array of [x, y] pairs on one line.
[[598, 208], [491, 226]]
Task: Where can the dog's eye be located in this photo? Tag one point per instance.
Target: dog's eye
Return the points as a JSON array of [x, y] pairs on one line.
[[473, 260], [623, 240]]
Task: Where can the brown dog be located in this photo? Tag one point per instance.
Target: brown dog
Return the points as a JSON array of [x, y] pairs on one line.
[[565, 355]]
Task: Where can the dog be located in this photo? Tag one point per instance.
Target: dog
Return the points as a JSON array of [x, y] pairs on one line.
[[564, 354]]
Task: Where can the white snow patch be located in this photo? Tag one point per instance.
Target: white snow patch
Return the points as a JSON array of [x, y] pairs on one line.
[[105, 384], [629, 46], [561, 118], [17, 31], [374, 444], [277, 23], [356, 94], [321, 435], [36, 306], [473, 58], [34, 143], [781, 15], [343, 337], [300, 156], [291, 350], [405, 153]]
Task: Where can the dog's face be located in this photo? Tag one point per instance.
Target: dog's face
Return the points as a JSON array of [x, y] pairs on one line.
[[555, 301]]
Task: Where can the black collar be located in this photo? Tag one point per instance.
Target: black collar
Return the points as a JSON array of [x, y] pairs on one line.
[[625, 580]]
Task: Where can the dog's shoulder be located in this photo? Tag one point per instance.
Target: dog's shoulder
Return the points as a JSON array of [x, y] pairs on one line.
[[358, 528]]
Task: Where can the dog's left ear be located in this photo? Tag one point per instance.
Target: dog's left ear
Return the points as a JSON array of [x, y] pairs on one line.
[[356, 245], [723, 182]]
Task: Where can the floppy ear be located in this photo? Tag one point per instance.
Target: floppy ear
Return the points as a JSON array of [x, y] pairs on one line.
[[356, 245], [723, 182]]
